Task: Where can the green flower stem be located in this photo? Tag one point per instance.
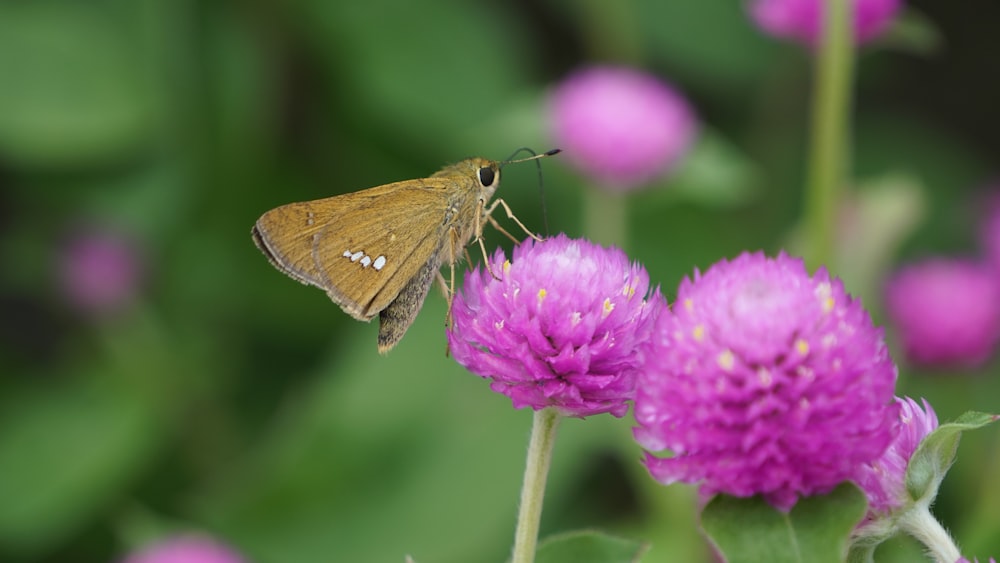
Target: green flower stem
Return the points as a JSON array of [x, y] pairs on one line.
[[611, 35], [543, 437], [921, 524], [605, 216], [830, 118]]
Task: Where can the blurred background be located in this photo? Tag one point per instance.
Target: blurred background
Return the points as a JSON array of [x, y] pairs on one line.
[[157, 375]]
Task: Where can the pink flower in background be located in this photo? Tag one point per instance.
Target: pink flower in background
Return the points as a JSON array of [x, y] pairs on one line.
[[765, 380], [99, 271], [185, 549], [946, 311], [561, 328], [884, 480], [621, 126], [801, 20]]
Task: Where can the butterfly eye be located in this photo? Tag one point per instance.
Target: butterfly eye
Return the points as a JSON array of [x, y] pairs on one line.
[[486, 176]]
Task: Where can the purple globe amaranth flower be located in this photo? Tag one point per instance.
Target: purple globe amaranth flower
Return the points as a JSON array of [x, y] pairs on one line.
[[764, 380], [620, 126], [99, 271], [802, 20], [191, 548], [884, 479], [560, 328], [946, 311]]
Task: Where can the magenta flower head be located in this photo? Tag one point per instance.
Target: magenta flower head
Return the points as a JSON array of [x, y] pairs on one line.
[[765, 380], [190, 548], [802, 20], [620, 126], [946, 311], [99, 271], [884, 479], [561, 328]]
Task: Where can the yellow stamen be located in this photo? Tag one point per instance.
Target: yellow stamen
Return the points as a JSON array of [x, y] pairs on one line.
[[825, 294], [726, 360], [698, 333]]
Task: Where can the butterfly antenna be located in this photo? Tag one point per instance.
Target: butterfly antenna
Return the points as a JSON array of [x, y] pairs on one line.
[[541, 184]]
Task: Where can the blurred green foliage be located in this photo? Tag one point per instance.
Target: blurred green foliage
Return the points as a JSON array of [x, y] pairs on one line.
[[231, 400]]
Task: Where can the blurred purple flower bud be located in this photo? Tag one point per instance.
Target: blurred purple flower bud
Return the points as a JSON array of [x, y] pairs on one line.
[[99, 271], [946, 311], [185, 549], [801, 20], [621, 126]]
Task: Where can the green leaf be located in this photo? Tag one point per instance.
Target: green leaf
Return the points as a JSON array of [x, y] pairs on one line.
[[936, 453], [65, 450], [589, 546], [674, 32], [714, 173], [72, 90], [420, 83], [914, 32], [817, 528]]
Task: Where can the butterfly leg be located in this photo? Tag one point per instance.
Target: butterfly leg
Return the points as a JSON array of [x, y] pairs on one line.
[[478, 230], [443, 285], [502, 230], [510, 215], [452, 258]]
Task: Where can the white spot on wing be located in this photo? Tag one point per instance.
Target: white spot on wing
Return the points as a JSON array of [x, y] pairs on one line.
[[364, 259], [309, 219]]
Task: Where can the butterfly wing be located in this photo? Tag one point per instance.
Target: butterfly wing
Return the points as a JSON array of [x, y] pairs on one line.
[[362, 247]]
